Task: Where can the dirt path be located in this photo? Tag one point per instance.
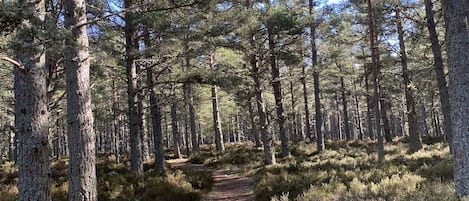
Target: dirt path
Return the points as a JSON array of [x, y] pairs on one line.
[[228, 186]]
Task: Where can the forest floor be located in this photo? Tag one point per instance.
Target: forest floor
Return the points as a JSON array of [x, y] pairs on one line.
[[229, 185]]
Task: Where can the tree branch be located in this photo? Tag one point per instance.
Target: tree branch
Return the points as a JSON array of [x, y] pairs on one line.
[[124, 10], [14, 62]]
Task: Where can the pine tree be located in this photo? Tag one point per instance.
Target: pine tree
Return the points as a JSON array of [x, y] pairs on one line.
[[31, 114]]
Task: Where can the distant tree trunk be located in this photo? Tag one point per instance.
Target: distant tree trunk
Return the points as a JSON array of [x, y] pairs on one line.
[[115, 119], [277, 88], [317, 100], [384, 115], [294, 127], [267, 140], [190, 102], [31, 115], [309, 134], [435, 120], [368, 104], [457, 46], [357, 103], [345, 108], [219, 143], [375, 82], [81, 136], [254, 128], [155, 112], [194, 134], [423, 117], [415, 143], [439, 70], [131, 51], [174, 124]]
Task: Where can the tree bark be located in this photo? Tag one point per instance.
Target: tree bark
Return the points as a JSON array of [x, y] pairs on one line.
[[317, 100], [174, 125], [384, 115], [267, 140], [115, 119], [309, 134], [254, 128], [31, 114], [374, 58], [81, 136], [345, 109], [357, 103], [415, 142], [219, 143], [457, 37], [277, 88], [131, 51], [294, 126], [190, 99], [439, 70], [155, 112]]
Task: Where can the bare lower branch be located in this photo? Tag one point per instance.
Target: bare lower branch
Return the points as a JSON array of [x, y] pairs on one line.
[[14, 62]]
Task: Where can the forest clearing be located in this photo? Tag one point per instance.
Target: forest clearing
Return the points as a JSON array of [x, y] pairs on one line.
[[234, 100]]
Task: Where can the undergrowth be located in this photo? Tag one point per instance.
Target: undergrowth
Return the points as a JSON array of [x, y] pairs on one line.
[[117, 183], [350, 171]]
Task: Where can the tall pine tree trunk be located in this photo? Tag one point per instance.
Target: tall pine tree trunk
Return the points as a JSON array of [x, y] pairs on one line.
[[345, 109], [81, 136], [190, 99], [317, 100], [277, 88], [415, 142], [374, 58], [174, 124], [267, 140], [309, 134], [31, 114], [457, 46], [439, 70], [254, 128], [131, 49], [219, 143], [155, 113]]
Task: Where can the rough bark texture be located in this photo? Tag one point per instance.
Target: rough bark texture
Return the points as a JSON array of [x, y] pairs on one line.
[[377, 96], [439, 70], [277, 88], [457, 40], [31, 115], [81, 136], [131, 51]]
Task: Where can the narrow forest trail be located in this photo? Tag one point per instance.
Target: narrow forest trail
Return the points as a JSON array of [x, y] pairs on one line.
[[228, 184]]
